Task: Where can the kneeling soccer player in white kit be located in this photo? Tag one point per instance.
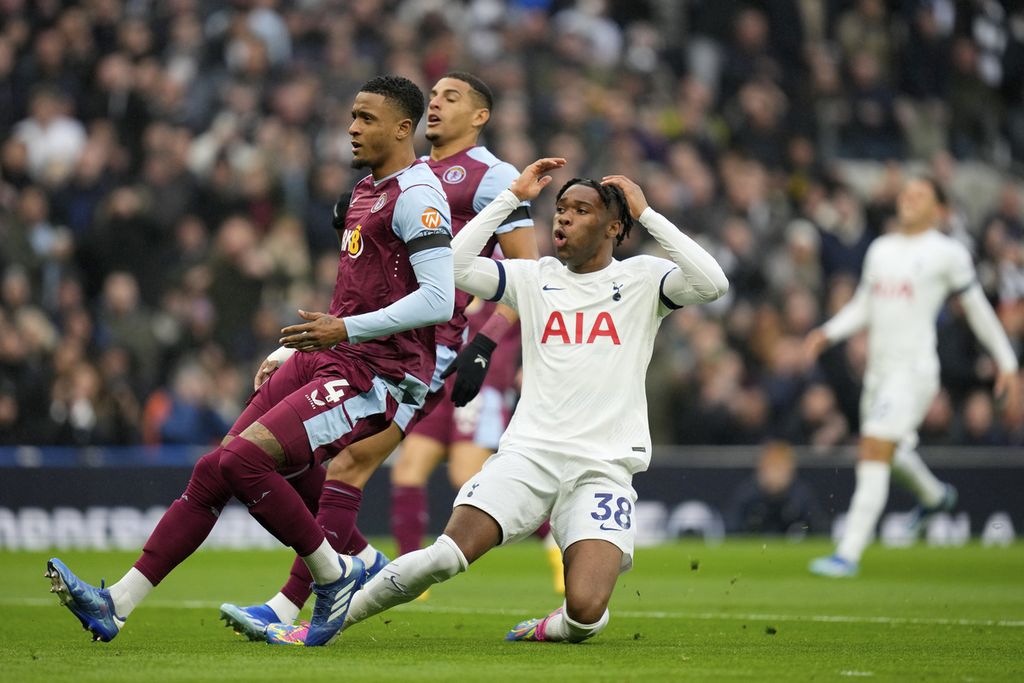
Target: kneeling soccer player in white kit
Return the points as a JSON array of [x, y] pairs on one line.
[[907, 277], [580, 431]]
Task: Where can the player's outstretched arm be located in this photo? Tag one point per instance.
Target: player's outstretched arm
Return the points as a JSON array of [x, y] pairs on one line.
[[481, 276], [814, 345], [985, 325], [850, 319], [699, 278]]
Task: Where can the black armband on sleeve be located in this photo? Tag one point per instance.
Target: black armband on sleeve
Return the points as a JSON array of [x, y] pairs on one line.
[[520, 213], [666, 302], [440, 239]]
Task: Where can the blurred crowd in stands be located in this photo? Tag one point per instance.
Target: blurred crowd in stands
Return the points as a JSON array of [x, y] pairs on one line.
[[168, 168]]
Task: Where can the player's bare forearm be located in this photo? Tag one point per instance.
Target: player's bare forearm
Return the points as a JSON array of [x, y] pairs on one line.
[[519, 243], [1008, 390], [532, 180], [814, 345], [321, 332], [510, 314]]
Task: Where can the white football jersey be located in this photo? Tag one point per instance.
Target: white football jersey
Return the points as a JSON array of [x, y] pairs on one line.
[[587, 341], [904, 284]]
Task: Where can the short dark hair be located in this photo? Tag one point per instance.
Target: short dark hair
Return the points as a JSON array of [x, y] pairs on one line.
[[937, 189], [401, 93], [612, 197], [475, 84]]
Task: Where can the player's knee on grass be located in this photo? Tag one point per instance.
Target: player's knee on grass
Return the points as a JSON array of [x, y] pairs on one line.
[[576, 631], [585, 606]]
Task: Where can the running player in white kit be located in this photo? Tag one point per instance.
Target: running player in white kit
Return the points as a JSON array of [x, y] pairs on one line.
[[907, 277], [580, 430]]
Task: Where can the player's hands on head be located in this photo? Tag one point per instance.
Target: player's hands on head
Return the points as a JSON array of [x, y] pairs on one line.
[[532, 180], [634, 195], [321, 332]]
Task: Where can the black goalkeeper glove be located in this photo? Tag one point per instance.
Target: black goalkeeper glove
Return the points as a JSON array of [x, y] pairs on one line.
[[340, 209], [471, 364]]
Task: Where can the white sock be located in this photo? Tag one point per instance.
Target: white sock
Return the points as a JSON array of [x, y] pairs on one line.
[[406, 578], [129, 592], [912, 471], [866, 507], [286, 610], [368, 555], [324, 564], [561, 627]]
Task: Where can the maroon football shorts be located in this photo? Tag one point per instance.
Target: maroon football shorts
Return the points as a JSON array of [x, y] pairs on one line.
[[317, 403]]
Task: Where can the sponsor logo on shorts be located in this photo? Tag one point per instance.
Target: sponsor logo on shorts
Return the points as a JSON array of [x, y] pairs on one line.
[[314, 400], [454, 175]]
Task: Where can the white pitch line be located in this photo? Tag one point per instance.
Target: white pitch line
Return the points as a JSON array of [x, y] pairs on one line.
[[632, 614]]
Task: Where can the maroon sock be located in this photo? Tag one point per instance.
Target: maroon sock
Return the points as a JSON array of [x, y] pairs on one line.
[[309, 485], [252, 476], [187, 522], [338, 509], [543, 530], [298, 587], [408, 517], [356, 543]]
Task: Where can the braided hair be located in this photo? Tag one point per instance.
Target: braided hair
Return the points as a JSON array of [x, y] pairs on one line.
[[614, 200]]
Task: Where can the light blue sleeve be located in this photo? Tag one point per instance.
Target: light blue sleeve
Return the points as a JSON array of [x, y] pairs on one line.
[[421, 211], [495, 180], [430, 304]]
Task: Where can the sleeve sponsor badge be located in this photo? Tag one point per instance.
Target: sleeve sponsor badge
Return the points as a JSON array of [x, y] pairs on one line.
[[431, 219]]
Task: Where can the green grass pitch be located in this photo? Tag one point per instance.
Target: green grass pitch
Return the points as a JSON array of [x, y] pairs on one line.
[[744, 610]]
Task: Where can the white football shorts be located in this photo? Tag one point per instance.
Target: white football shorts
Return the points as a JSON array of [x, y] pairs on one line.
[[583, 499], [893, 404]]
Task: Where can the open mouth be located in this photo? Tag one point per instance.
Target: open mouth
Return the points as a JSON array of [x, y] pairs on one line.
[[433, 119], [559, 238], [356, 147]]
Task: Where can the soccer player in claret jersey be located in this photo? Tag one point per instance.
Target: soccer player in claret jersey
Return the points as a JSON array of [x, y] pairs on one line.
[[907, 277], [580, 430], [356, 365], [458, 109]]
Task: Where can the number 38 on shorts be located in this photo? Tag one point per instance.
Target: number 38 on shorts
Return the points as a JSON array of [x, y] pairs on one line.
[[613, 512]]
